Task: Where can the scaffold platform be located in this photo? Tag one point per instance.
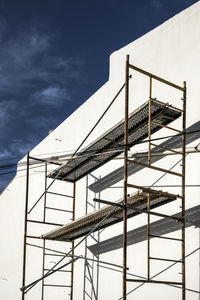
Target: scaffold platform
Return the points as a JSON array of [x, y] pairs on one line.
[[136, 204], [111, 143]]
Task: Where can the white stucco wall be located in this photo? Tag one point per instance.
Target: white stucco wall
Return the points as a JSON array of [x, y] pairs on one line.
[[172, 52]]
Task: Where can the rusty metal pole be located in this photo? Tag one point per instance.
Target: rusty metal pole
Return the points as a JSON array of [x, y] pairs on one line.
[[25, 227], [44, 243], [85, 260], [72, 264], [149, 196], [98, 256], [183, 190], [125, 176], [149, 122], [45, 194]]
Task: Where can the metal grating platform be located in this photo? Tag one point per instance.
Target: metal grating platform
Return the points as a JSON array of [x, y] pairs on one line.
[[159, 228], [83, 225], [94, 155]]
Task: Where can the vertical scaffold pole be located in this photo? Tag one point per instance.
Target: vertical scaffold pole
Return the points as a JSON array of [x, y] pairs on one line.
[[149, 122], [85, 262], [148, 197], [44, 242], [125, 175], [183, 190], [25, 226], [97, 257], [72, 264]]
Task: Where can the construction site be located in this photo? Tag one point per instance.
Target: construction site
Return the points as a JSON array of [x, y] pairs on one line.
[[112, 211]]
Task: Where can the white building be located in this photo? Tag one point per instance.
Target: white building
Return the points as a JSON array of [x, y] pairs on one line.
[[170, 51]]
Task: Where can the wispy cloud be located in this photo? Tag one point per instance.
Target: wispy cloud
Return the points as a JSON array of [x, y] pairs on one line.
[[52, 95], [32, 73], [5, 153], [27, 59], [34, 78], [17, 56], [20, 147], [8, 109]]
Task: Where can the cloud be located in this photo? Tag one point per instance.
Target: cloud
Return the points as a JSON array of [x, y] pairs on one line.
[[20, 147], [34, 80], [17, 56], [52, 95], [5, 154], [8, 109], [27, 59]]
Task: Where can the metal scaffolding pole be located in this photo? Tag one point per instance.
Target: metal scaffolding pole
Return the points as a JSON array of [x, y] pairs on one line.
[[44, 242], [43, 222], [25, 226], [149, 195], [124, 207], [125, 175], [183, 189], [72, 264], [149, 191]]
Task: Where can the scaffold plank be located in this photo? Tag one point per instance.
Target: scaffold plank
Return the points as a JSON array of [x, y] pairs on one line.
[[85, 224], [111, 144]]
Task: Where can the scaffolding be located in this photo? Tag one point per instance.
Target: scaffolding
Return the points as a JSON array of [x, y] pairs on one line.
[[135, 127], [46, 251], [149, 165]]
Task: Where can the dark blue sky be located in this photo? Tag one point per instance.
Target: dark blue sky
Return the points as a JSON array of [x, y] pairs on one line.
[[55, 54]]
